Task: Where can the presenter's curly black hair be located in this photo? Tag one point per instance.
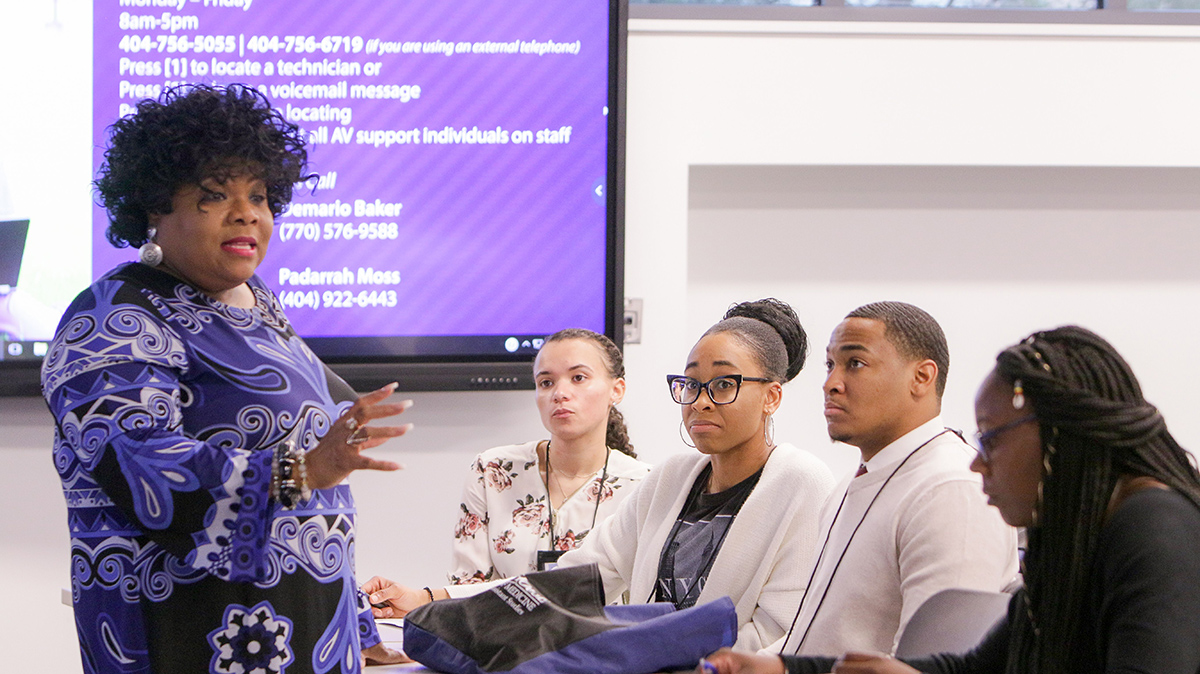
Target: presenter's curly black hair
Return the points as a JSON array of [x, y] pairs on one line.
[[1095, 427], [189, 134]]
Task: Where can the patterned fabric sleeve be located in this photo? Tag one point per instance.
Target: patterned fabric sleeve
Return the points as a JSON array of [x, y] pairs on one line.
[[111, 382], [368, 631], [472, 538]]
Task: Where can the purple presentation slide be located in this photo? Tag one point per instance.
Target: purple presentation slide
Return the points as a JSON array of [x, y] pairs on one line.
[[461, 147]]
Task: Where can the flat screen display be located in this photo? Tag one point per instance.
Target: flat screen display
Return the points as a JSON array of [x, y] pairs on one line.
[[463, 150]]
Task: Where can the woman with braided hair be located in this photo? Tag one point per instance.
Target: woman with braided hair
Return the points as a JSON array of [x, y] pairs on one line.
[[1070, 450], [525, 505], [737, 517]]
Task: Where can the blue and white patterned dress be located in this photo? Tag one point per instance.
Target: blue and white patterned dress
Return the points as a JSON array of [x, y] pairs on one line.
[[168, 406]]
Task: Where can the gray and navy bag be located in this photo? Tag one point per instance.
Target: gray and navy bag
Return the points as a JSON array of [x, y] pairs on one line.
[[555, 622]]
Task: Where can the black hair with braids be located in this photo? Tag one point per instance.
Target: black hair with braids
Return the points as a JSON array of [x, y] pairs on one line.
[[1095, 427], [913, 332], [772, 331], [193, 132], [616, 435]]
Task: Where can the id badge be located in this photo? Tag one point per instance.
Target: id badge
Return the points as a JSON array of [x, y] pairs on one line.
[[548, 559]]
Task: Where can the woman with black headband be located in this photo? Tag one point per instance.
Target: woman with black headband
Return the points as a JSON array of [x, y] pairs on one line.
[[1070, 450], [738, 518]]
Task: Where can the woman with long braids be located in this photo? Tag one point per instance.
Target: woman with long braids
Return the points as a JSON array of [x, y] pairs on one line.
[[1070, 450]]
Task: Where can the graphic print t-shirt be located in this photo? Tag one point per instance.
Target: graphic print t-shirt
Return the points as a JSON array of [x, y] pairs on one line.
[[689, 554]]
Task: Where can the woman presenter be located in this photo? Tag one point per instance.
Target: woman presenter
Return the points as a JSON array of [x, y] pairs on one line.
[[203, 449]]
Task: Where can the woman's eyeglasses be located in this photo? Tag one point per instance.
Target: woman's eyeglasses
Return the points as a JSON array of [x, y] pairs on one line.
[[721, 390], [984, 440]]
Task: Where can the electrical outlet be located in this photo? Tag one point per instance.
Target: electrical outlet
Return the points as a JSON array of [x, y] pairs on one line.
[[633, 320]]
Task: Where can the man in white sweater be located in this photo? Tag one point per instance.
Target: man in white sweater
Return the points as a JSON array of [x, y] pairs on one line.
[[913, 521]]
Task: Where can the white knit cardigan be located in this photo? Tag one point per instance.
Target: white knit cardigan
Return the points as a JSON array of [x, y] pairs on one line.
[[762, 563]]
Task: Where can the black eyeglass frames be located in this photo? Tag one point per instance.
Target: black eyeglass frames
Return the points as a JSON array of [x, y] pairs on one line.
[[984, 439], [721, 390]]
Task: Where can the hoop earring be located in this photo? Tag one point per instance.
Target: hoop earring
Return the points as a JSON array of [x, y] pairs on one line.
[[150, 254], [769, 431], [684, 436]]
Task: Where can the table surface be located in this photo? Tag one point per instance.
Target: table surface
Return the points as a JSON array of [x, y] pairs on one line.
[[391, 629]]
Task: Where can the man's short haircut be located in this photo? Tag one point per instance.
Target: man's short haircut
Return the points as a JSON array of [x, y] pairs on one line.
[[913, 332]]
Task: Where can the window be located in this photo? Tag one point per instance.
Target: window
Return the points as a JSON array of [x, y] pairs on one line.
[[1127, 10]]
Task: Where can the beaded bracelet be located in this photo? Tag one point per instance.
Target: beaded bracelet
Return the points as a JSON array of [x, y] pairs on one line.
[[289, 475]]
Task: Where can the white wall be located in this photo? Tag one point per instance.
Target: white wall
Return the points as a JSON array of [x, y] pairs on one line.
[[724, 119], [46, 138], [993, 252], [758, 96]]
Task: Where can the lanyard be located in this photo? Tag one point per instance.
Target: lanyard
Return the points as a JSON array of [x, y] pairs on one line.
[[838, 564], [550, 506]]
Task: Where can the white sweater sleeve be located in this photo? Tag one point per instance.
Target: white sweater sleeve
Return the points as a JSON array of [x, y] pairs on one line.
[[781, 593], [950, 537], [613, 544]]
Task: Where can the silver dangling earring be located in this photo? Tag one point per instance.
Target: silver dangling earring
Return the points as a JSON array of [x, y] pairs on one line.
[[684, 435], [769, 431], [150, 254]]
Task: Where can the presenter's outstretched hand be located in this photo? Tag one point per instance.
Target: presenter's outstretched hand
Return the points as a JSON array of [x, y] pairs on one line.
[[870, 663], [340, 452], [726, 661], [390, 599]]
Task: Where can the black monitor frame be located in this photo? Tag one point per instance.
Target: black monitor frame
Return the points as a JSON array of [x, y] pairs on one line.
[[449, 373]]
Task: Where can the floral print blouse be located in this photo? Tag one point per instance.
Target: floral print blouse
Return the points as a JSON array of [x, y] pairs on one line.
[[504, 518]]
